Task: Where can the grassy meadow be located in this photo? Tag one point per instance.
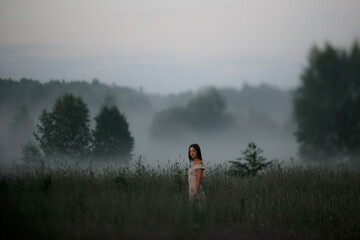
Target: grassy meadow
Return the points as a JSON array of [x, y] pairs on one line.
[[139, 202]]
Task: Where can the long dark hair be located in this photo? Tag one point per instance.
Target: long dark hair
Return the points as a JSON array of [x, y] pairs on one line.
[[197, 149]]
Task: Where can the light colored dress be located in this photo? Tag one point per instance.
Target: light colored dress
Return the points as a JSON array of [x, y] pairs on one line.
[[192, 177]]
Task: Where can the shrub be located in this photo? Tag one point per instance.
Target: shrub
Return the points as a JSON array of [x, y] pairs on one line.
[[253, 162], [31, 153]]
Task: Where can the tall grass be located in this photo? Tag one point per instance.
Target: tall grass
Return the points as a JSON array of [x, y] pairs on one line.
[[142, 202]]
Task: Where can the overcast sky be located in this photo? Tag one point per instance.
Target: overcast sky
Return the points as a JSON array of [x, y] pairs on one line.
[[168, 46]]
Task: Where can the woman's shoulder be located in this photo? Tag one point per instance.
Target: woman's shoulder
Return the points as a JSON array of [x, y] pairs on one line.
[[199, 166]]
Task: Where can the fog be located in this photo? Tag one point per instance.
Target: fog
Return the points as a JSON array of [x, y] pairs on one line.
[[267, 122], [262, 114], [167, 46], [215, 149], [154, 58]]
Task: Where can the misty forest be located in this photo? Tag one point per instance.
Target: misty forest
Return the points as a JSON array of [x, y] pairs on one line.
[[89, 160]]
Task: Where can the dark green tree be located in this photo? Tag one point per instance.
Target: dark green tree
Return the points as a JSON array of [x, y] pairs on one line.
[[64, 131], [327, 104], [250, 163], [112, 138]]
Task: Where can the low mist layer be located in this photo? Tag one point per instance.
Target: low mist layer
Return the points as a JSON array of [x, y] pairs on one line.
[[222, 121]]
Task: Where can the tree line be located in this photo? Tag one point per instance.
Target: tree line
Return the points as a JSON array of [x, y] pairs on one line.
[[64, 132], [325, 111], [23, 101]]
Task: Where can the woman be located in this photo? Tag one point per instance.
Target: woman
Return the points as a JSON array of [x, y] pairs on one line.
[[195, 173]]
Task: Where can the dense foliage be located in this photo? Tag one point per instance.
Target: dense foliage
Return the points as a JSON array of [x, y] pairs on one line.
[[295, 202], [65, 131], [112, 138], [327, 104]]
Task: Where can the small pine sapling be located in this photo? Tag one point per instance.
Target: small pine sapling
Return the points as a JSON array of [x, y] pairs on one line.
[[250, 163]]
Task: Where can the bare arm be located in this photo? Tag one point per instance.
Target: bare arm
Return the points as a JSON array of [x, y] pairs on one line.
[[199, 173]]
